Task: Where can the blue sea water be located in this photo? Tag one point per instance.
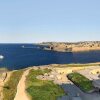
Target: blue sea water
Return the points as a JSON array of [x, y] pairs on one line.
[[17, 56]]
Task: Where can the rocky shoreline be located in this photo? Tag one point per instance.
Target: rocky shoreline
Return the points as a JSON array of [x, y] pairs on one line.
[[71, 47]]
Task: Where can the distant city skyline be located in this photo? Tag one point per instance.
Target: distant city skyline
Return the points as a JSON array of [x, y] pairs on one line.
[[33, 21]]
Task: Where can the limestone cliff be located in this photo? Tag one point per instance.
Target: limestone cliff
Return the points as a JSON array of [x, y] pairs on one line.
[[72, 47]]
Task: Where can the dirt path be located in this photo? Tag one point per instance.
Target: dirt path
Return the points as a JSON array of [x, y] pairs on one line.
[[21, 94], [2, 84]]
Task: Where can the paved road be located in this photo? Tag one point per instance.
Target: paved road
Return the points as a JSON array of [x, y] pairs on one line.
[[73, 90], [64, 98]]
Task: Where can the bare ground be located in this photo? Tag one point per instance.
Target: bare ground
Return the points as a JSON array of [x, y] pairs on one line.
[[21, 93]]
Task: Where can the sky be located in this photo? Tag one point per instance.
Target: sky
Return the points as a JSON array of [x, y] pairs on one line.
[[33, 21]]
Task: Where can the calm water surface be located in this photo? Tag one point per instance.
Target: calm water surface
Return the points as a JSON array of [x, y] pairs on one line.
[[16, 56]]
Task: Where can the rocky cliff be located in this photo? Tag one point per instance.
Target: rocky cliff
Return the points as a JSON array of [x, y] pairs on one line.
[[72, 47]]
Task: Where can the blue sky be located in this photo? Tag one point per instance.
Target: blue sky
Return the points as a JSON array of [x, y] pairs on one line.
[[31, 21]]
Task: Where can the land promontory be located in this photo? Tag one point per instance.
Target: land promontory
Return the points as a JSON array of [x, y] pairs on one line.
[[71, 46]]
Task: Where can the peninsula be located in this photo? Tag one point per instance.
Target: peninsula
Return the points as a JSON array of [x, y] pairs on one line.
[[71, 46]]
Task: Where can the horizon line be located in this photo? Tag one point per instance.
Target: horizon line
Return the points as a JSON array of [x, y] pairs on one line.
[[47, 42]]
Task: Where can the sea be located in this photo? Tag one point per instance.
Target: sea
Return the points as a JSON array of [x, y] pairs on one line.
[[18, 56]]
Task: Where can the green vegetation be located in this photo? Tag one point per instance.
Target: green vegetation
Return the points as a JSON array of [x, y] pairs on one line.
[[83, 65], [84, 83], [42, 89], [79, 65], [3, 69], [10, 87]]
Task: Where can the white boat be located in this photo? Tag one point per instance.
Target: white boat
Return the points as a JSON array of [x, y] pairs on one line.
[[1, 57], [23, 46]]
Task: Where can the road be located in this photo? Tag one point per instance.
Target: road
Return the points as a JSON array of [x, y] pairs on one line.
[[73, 90]]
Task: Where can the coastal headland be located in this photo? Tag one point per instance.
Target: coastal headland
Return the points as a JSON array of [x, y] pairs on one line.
[[72, 47]]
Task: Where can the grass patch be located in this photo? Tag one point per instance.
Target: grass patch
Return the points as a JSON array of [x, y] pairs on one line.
[[10, 87], [42, 89], [83, 65], [3, 68], [84, 83], [78, 65]]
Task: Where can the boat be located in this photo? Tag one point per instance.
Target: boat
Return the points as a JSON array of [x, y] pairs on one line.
[[1, 57], [23, 46]]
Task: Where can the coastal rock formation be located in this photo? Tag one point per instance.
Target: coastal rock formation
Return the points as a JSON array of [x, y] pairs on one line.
[[72, 47]]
